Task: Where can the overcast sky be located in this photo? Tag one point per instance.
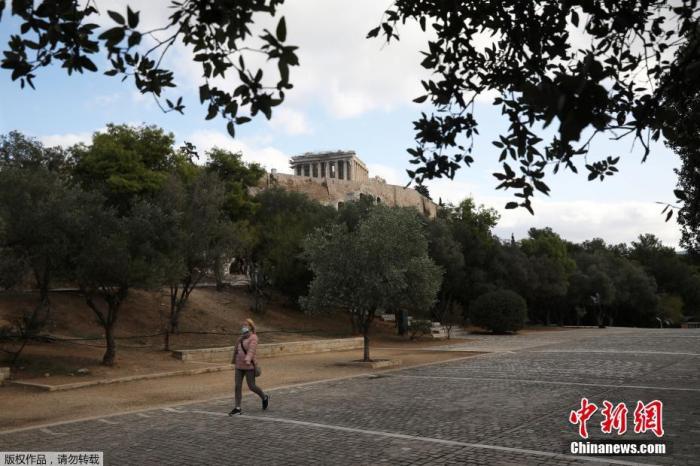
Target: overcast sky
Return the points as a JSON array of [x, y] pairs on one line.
[[350, 93]]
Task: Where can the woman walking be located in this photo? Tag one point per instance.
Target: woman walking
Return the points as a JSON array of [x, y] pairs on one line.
[[244, 359]]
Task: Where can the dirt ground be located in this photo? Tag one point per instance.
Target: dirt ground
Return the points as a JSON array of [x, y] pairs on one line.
[[58, 363], [211, 319], [24, 407]]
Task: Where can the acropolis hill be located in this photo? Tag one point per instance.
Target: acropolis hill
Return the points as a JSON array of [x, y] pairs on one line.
[[333, 178]]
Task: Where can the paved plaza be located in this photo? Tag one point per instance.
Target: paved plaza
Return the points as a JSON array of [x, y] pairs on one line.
[[507, 407]]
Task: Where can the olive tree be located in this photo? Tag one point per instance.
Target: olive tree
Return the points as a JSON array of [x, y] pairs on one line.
[[201, 236], [115, 253], [384, 263], [37, 211]]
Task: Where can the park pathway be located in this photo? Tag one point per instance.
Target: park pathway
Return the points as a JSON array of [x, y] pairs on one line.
[[508, 407]]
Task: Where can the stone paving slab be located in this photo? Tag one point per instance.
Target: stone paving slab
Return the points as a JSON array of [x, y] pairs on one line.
[[507, 408], [250, 441], [578, 367], [638, 340], [681, 425]]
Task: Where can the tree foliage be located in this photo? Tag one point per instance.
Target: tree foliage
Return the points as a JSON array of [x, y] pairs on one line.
[[38, 210], [671, 272], [273, 255], [551, 267], [125, 163], [115, 253], [22, 152], [217, 31], [202, 237], [499, 311], [528, 55], [238, 178], [471, 228], [681, 133], [447, 253], [383, 264]]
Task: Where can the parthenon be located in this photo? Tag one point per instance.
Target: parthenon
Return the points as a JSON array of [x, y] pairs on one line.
[[341, 165], [336, 177]]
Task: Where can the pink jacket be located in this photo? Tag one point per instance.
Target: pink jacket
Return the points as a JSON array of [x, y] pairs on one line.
[[240, 358]]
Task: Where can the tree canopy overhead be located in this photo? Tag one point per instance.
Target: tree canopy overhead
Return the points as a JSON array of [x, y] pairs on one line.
[[218, 32], [683, 136], [595, 67]]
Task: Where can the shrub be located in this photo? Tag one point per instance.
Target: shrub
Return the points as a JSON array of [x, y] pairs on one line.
[[418, 328], [499, 311]]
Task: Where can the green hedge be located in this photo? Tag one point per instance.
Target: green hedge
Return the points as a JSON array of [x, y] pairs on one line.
[[499, 311]]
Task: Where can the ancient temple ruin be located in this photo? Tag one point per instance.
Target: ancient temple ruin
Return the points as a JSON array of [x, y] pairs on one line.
[[335, 177], [341, 165]]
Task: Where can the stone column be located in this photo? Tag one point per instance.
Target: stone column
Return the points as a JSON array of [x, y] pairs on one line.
[[351, 172]]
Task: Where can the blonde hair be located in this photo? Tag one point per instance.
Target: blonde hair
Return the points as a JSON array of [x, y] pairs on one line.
[[251, 324]]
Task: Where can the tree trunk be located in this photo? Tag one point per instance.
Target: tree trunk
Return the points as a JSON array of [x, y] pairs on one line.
[[44, 303], [601, 317], [365, 356], [366, 324], [108, 320], [402, 322], [111, 352], [31, 326], [172, 327], [219, 273]]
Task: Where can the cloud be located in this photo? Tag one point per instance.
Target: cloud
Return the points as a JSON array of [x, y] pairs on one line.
[[615, 222], [104, 100], [449, 191], [66, 140], [267, 156], [290, 121], [349, 74], [340, 70], [390, 174], [348, 103], [575, 220]]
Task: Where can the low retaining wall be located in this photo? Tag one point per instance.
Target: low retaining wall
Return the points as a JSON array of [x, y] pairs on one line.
[[225, 354]]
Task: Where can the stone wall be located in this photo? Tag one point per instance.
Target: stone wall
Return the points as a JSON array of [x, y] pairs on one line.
[[330, 191], [268, 350], [4, 374]]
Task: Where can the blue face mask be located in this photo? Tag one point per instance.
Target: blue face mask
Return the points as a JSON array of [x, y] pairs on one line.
[[245, 329]]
